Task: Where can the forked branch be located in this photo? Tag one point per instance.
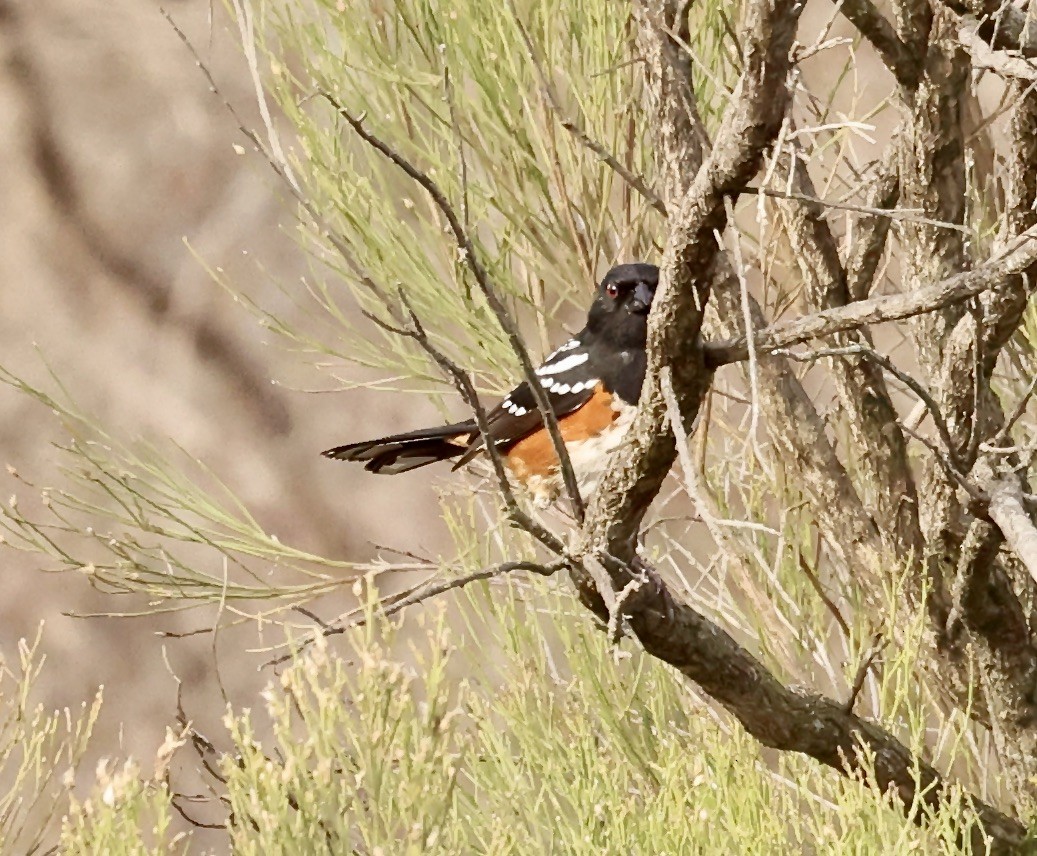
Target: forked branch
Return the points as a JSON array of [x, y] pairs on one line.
[[667, 628]]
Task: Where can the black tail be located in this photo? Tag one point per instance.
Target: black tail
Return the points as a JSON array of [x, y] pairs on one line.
[[403, 452]]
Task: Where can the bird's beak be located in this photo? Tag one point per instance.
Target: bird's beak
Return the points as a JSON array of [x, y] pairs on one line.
[[641, 299]]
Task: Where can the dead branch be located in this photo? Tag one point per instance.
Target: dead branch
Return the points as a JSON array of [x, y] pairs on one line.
[[949, 467], [985, 57], [869, 353], [1020, 408], [422, 592], [1003, 26], [879, 443], [1003, 307], [908, 215], [822, 595], [466, 389], [933, 172], [1015, 257], [797, 428], [878, 644]]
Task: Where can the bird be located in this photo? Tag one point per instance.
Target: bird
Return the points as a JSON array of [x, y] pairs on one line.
[[593, 383]]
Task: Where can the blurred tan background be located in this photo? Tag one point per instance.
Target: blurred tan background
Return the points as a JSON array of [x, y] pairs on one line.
[[114, 154]]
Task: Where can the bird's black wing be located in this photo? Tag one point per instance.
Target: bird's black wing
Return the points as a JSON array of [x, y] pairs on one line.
[[566, 376]]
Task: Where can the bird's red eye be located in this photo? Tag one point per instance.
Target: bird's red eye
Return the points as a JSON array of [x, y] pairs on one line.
[[612, 290]]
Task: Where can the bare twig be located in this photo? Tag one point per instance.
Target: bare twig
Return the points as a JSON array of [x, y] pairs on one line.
[[615, 622], [900, 214], [470, 396], [949, 467], [985, 57], [886, 478], [815, 583], [482, 279], [877, 646], [752, 368], [175, 800], [1020, 408], [1001, 25], [419, 594], [424, 594], [310, 614], [862, 350]]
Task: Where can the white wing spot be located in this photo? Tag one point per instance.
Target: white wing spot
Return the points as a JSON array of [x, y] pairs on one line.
[[564, 364], [568, 346], [561, 390]]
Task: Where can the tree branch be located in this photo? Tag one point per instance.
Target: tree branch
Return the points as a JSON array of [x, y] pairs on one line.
[[1003, 307], [1015, 257], [886, 213], [423, 591], [810, 459], [672, 631], [696, 204], [902, 62], [870, 354], [1003, 26], [792, 720], [985, 57], [871, 230], [466, 389], [888, 485], [1006, 509]]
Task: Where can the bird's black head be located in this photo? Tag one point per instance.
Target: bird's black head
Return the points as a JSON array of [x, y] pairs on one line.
[[620, 308]]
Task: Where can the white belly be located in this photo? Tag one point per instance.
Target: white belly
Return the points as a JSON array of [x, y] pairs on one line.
[[589, 459]]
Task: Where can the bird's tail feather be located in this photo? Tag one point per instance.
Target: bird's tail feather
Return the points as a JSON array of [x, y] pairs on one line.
[[402, 452]]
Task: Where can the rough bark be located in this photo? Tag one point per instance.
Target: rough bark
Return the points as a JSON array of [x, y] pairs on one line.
[[1015, 257], [694, 269], [880, 448]]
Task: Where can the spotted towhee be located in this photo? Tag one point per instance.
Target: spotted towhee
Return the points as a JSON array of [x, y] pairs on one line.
[[593, 382]]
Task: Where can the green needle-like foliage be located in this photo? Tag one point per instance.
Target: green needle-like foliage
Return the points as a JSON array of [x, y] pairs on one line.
[[503, 722]]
